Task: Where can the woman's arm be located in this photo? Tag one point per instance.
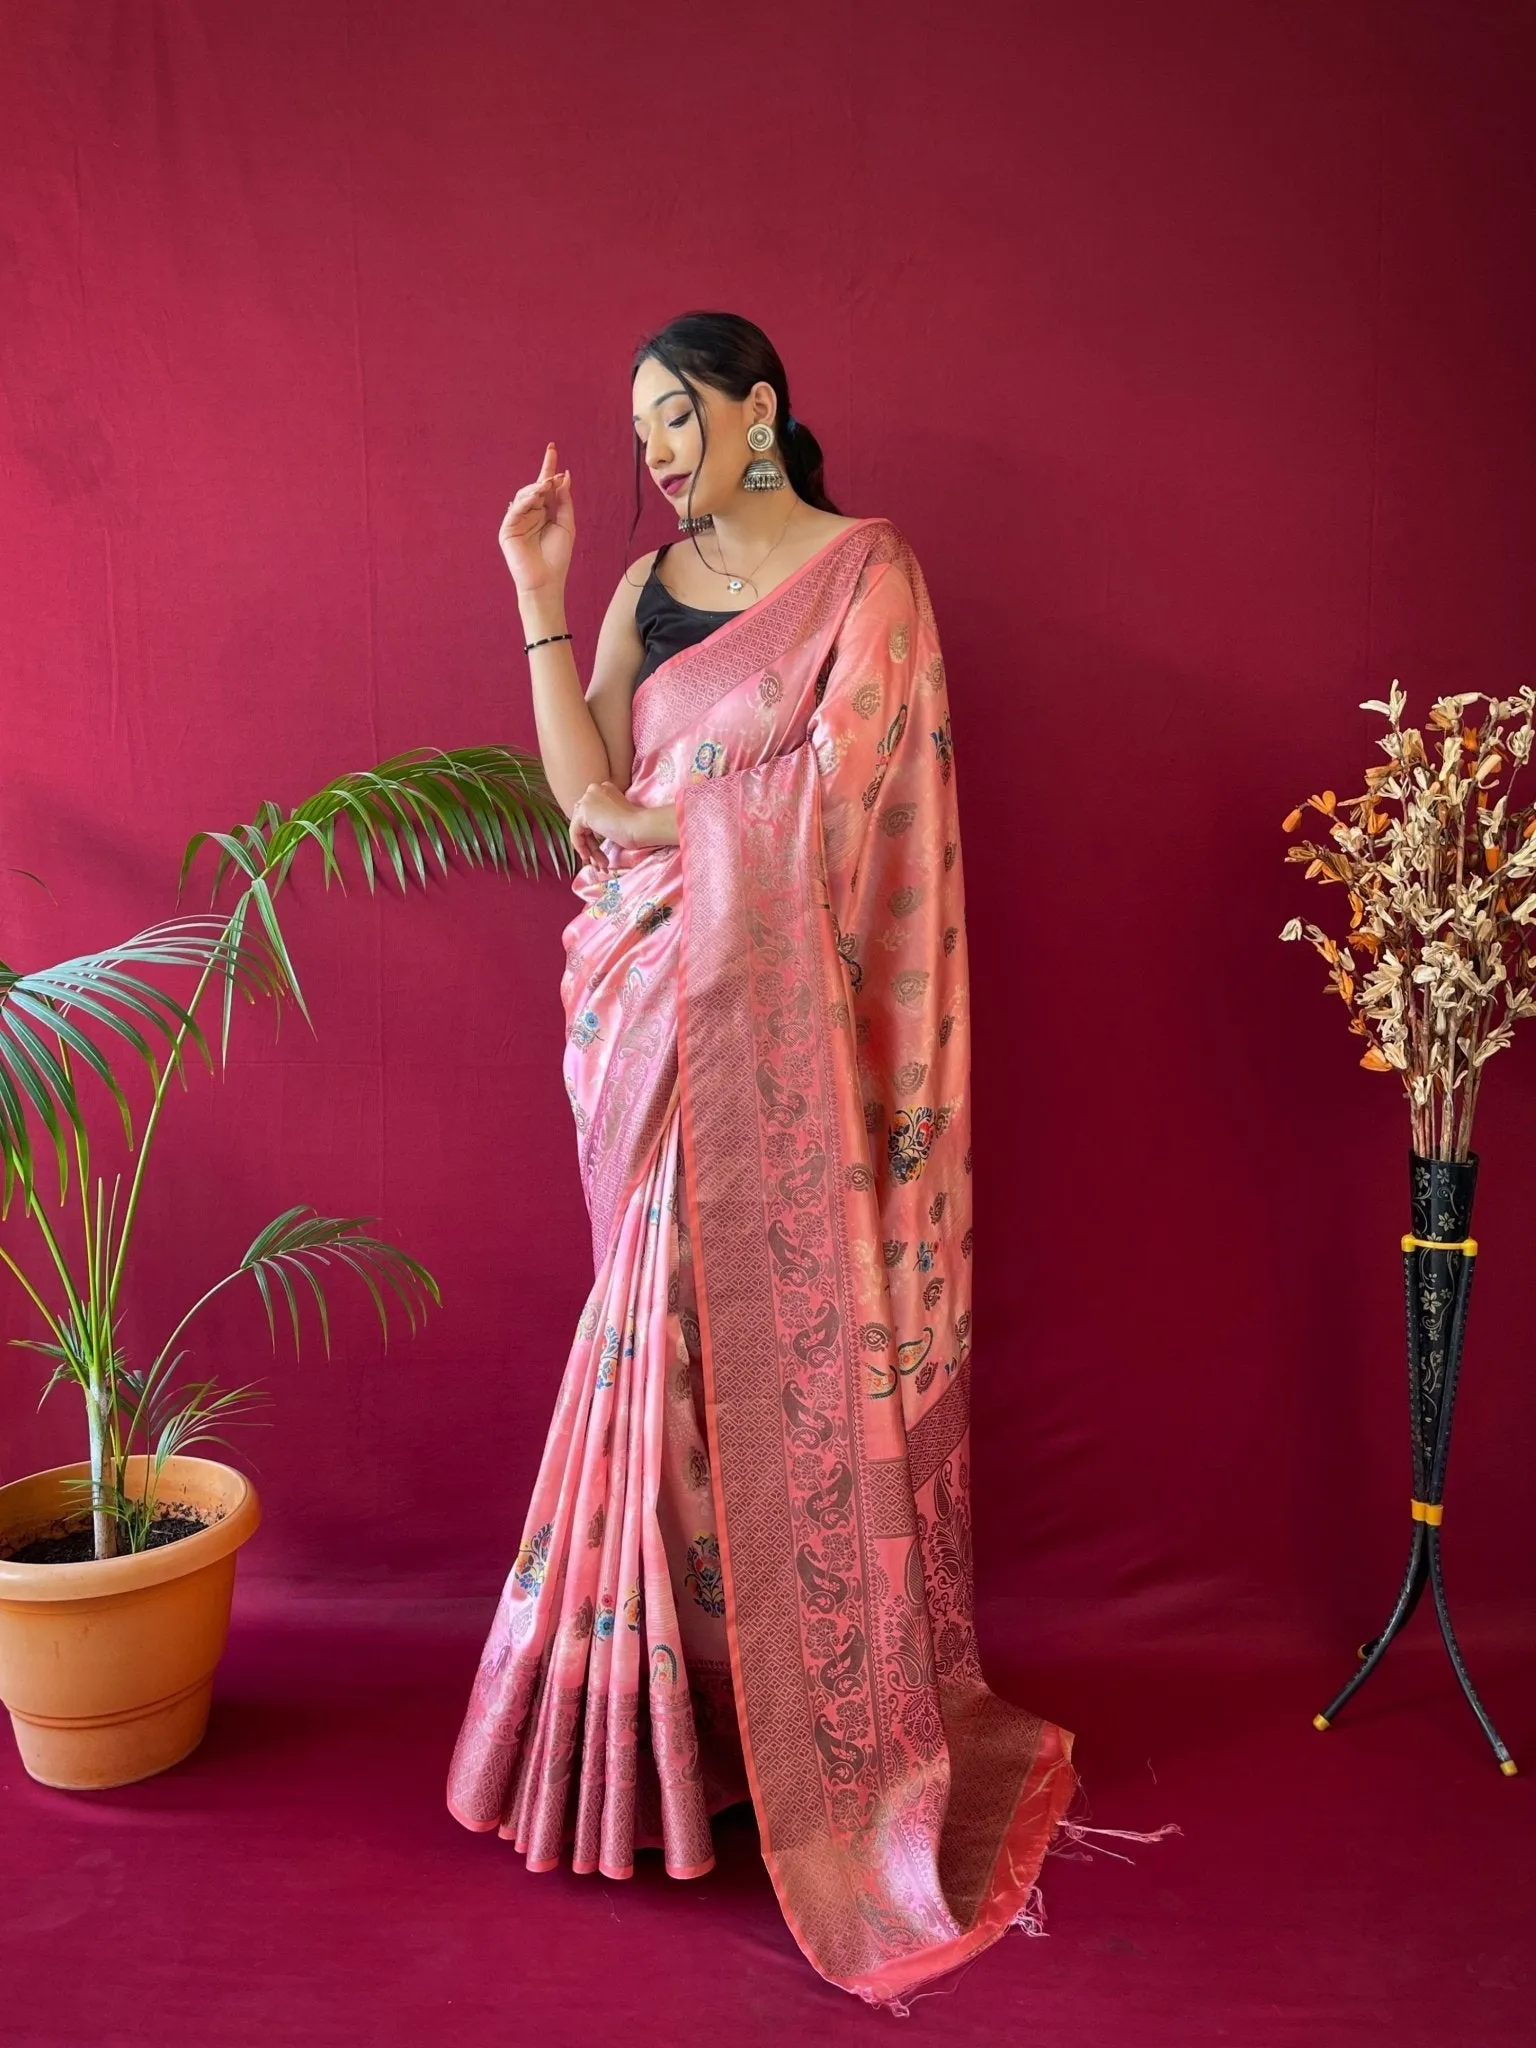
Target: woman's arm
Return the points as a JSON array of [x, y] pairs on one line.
[[570, 743], [610, 695], [588, 739], [584, 738], [605, 812], [601, 810]]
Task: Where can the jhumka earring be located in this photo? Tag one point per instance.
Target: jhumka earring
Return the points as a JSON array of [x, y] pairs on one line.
[[763, 473], [703, 523]]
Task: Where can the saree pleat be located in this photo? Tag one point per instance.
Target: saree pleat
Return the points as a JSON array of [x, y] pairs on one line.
[[747, 1564], [582, 1732]]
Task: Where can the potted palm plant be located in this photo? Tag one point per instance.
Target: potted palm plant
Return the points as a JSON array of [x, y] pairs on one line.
[[116, 1573]]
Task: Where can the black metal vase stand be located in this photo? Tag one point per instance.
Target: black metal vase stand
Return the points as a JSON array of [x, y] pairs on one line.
[[1439, 1256]]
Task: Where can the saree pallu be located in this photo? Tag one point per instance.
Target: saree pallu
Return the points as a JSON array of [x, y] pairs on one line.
[[747, 1567]]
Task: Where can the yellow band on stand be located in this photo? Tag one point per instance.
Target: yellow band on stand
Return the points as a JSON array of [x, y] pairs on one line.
[[1467, 1246], [1428, 1511]]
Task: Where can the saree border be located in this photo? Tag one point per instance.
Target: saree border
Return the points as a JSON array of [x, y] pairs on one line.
[[866, 1901], [745, 1310]]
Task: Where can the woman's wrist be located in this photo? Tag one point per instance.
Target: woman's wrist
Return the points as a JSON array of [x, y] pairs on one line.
[[542, 611], [658, 825]]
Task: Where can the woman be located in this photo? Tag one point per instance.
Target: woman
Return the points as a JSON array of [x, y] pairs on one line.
[[746, 1569]]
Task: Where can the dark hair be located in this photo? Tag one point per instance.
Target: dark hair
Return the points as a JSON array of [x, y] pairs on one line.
[[731, 355]]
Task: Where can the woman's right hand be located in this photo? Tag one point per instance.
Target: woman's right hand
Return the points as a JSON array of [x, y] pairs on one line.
[[539, 530]]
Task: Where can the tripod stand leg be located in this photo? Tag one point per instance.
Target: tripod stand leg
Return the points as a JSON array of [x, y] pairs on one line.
[[1506, 1762], [1415, 1579], [1407, 1599]]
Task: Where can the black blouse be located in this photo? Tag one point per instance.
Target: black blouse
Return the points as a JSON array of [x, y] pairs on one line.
[[667, 625]]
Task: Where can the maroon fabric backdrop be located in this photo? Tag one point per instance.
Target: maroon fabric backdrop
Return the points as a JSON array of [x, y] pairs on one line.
[[1190, 346]]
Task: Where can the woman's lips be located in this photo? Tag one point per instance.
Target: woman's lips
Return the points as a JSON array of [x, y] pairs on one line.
[[674, 484]]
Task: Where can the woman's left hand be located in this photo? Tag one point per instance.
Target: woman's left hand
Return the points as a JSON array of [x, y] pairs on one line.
[[603, 811]]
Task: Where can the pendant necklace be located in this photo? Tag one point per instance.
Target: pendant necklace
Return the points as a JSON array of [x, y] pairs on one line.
[[736, 583]]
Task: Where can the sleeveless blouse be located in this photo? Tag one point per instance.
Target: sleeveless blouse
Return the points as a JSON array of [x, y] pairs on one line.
[[666, 624]]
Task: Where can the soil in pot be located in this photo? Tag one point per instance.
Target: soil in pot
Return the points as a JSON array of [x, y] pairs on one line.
[[77, 1546]]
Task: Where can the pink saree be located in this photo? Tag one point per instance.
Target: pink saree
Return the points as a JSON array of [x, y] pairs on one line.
[[746, 1568]]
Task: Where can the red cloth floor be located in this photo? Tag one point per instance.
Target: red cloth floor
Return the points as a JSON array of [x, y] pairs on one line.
[[299, 1881]]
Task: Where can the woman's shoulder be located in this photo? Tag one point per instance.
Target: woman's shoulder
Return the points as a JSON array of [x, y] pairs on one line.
[[637, 579], [873, 525], [883, 542], [890, 579], [888, 554], [870, 539], [885, 532]]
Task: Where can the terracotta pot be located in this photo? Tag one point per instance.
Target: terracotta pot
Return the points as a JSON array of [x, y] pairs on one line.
[[107, 1668]]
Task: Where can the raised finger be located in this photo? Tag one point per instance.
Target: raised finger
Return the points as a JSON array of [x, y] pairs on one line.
[[548, 468]]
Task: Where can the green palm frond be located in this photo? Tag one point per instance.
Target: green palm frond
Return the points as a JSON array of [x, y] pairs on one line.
[[77, 1353], [485, 806], [192, 1419], [169, 1419], [45, 1015], [67, 1366], [297, 1243]]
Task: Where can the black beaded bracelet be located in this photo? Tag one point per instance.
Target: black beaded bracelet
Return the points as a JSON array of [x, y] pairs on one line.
[[548, 641]]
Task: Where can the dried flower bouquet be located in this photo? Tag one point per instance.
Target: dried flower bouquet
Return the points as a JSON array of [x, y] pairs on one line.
[[1439, 865]]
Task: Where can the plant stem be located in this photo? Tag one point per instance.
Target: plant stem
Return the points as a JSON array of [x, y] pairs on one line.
[[201, 1302], [103, 1522], [54, 1325], [235, 923], [60, 1264], [162, 1084]]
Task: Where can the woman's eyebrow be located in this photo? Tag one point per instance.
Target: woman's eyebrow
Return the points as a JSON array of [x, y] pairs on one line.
[[635, 417]]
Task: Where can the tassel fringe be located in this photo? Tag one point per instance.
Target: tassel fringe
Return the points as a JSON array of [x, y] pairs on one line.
[[1077, 1832], [1030, 1918]]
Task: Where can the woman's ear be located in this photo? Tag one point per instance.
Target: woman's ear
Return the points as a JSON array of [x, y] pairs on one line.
[[762, 404]]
